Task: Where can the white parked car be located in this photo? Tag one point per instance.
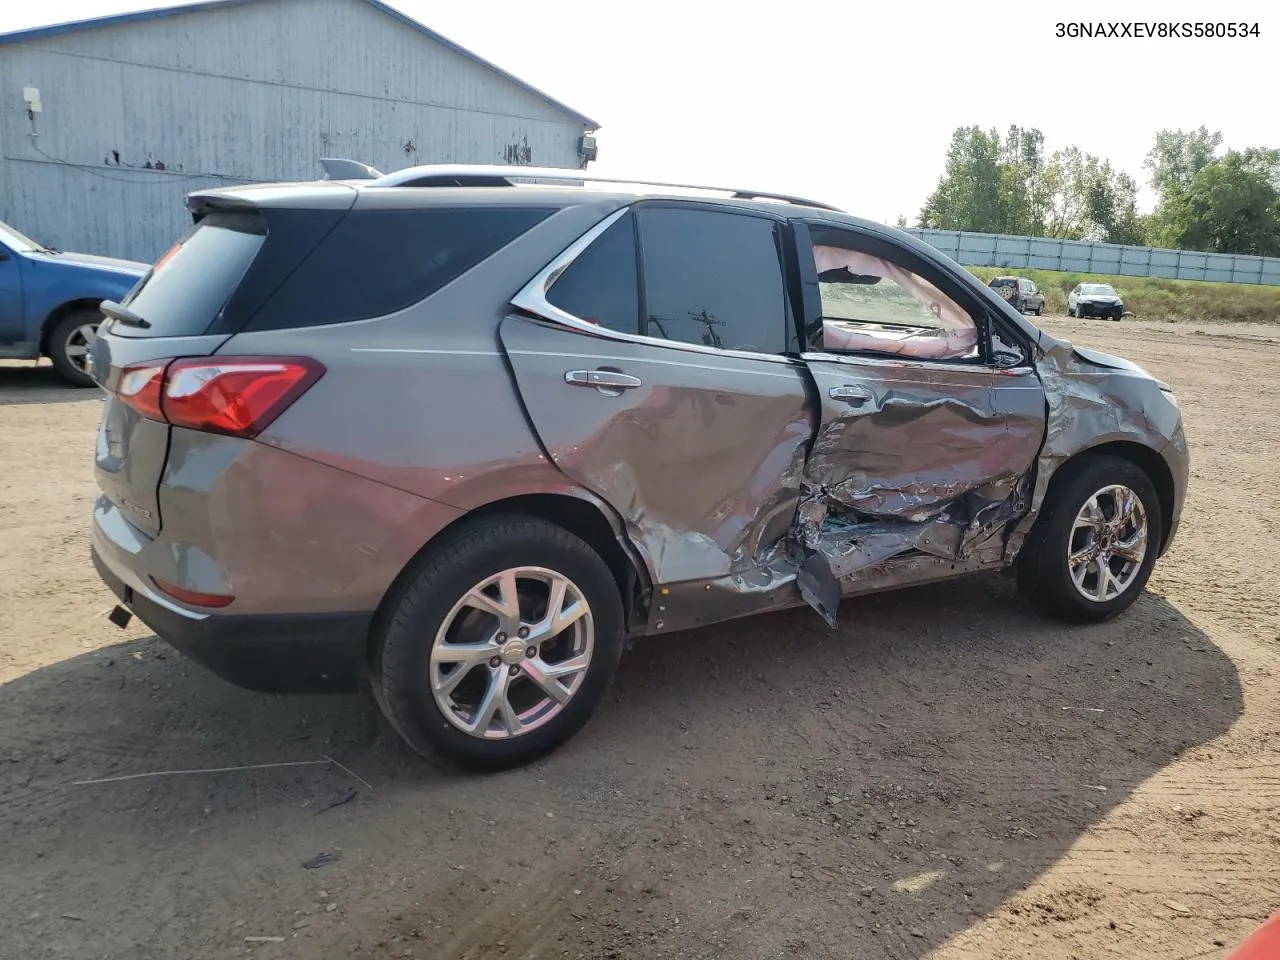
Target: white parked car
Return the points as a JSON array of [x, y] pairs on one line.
[[1095, 300]]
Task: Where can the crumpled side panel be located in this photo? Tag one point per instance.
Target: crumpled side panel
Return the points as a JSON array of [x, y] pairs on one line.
[[844, 550], [909, 454], [1089, 403], [702, 458], [911, 459]]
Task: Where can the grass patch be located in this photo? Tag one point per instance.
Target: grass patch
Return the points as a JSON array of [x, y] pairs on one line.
[[1155, 298]]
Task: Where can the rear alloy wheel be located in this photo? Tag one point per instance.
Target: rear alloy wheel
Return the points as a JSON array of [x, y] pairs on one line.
[[502, 646], [69, 344], [512, 652], [1092, 549]]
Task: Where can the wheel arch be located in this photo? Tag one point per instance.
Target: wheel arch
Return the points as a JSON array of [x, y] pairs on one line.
[[579, 514], [59, 313], [1148, 460]]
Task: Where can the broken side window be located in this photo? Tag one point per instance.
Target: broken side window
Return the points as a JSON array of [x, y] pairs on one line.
[[871, 304]]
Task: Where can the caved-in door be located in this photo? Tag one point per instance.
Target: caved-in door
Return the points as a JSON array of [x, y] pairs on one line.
[[920, 448]]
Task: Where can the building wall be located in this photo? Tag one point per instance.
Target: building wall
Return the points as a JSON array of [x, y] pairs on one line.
[[241, 94]]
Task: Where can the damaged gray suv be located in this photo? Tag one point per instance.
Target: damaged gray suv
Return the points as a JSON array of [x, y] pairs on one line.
[[464, 431]]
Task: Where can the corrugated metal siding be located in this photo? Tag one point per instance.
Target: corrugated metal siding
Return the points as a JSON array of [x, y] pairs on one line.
[[1082, 256], [258, 92]]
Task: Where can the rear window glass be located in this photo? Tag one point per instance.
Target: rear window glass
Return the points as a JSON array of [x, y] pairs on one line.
[[376, 262], [190, 283], [601, 285], [1004, 282]]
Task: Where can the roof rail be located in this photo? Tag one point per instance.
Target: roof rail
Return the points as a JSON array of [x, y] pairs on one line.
[[483, 175]]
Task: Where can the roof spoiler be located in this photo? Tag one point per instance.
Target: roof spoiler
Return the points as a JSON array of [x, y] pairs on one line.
[[336, 168]]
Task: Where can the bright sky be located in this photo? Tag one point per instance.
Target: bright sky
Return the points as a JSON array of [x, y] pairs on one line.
[[851, 103]]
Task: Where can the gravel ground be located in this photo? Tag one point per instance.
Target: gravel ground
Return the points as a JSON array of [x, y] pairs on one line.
[[949, 775]]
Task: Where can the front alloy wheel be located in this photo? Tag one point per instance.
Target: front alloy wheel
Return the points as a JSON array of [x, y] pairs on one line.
[[1091, 550], [1108, 543]]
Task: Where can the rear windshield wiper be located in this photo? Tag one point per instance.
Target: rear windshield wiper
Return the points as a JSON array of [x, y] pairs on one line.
[[123, 314]]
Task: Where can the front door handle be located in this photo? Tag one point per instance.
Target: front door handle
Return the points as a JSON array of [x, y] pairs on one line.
[[604, 380], [854, 396]]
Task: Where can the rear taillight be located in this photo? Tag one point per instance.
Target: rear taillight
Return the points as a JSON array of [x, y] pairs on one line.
[[236, 396], [141, 387]]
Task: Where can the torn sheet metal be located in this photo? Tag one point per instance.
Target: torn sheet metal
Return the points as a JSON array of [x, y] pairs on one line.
[[844, 551], [1092, 399], [929, 460], [904, 441], [819, 587]]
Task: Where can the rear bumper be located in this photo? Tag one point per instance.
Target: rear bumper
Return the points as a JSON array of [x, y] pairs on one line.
[[275, 653]]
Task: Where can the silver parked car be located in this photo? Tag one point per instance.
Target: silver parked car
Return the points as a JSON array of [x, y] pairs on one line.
[[466, 430]]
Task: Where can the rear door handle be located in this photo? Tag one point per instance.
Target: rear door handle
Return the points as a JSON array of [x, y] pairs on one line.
[[602, 379], [854, 396]]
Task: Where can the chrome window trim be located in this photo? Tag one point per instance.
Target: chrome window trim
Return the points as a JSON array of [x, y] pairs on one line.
[[532, 298], [893, 363]]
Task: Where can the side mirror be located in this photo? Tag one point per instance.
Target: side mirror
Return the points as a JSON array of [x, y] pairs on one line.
[[1005, 361]]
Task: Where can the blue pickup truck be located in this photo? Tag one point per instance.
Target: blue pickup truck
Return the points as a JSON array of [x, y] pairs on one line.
[[49, 301]]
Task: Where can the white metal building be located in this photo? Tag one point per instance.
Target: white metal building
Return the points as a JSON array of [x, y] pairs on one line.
[[105, 125]]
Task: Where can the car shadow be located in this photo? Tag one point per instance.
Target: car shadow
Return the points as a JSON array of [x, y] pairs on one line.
[[25, 382], [743, 785]]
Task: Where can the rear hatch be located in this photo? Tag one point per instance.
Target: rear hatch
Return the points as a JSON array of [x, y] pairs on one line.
[[189, 303], [267, 257]]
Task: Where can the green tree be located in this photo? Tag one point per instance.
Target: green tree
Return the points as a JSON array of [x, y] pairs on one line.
[[1231, 205], [968, 195], [1177, 157], [995, 185], [1088, 199], [1111, 202], [1023, 187]]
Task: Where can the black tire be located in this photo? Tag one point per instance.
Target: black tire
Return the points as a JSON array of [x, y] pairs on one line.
[[401, 661], [1044, 575], [1071, 311], [58, 344], [1040, 310]]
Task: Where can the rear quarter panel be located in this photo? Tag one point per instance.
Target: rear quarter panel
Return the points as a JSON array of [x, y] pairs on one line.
[[282, 533]]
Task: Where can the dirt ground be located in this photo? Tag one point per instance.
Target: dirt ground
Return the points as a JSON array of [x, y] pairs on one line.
[[950, 775]]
